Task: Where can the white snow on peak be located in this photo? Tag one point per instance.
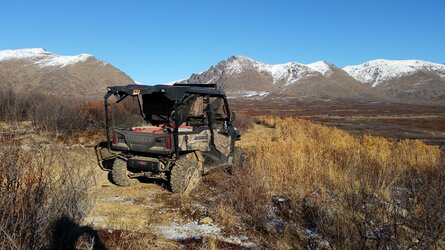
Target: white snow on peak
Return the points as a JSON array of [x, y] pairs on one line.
[[288, 72], [321, 66], [21, 54], [42, 57], [379, 71], [236, 64], [62, 61]]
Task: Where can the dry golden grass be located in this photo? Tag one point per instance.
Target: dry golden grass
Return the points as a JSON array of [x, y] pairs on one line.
[[344, 188], [290, 155], [349, 191]]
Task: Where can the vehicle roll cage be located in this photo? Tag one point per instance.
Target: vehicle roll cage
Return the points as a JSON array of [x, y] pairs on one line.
[[177, 93]]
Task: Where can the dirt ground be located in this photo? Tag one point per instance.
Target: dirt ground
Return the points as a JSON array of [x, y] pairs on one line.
[[171, 220], [144, 216]]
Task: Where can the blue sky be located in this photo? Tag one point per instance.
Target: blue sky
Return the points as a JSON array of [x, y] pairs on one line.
[[161, 41]]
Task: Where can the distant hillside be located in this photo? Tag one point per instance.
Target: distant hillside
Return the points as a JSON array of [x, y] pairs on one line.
[[87, 77], [244, 77], [377, 80], [81, 76], [403, 79]]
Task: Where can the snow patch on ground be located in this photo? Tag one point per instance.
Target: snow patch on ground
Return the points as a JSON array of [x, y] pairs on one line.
[[186, 231], [194, 230], [169, 83], [42, 57], [120, 200], [248, 94]]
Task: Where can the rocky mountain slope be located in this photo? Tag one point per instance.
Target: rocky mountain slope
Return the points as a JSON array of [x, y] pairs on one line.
[[77, 76], [87, 77], [380, 79], [244, 77], [405, 79]]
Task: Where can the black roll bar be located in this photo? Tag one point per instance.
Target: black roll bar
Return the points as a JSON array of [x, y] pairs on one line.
[[107, 128]]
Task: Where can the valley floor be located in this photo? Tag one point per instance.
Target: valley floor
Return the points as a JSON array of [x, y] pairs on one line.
[[424, 121], [281, 198]]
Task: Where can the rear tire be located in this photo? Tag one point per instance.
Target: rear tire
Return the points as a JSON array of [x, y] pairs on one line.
[[119, 174], [185, 175]]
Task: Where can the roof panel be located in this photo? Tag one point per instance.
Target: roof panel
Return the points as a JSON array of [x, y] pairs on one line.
[[171, 91]]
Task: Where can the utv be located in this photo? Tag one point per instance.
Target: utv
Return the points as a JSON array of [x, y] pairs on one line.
[[172, 132]]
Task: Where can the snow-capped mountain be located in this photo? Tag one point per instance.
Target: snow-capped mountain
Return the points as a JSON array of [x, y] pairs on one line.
[[288, 72], [242, 76], [381, 71], [411, 79], [323, 67], [86, 76], [42, 57], [27, 70]]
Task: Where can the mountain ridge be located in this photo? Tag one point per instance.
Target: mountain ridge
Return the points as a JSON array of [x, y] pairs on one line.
[[80, 76], [36, 69], [375, 79]]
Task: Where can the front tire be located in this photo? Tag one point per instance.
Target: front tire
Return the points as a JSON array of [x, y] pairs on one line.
[[119, 174], [185, 175]]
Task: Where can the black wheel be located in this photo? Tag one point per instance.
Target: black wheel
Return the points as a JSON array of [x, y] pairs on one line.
[[119, 174], [185, 175]]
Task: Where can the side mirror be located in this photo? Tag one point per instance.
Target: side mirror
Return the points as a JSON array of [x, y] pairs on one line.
[[232, 116]]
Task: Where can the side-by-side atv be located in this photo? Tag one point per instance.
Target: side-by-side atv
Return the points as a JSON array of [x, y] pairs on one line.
[[172, 132]]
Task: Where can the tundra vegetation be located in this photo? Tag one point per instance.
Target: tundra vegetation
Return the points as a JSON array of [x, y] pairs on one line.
[[303, 184], [298, 184]]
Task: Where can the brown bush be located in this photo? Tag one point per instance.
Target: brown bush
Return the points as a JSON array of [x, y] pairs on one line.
[[38, 189], [243, 121], [12, 107], [58, 116], [91, 114]]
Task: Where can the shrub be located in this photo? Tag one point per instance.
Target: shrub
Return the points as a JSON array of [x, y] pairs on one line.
[[61, 117], [12, 106], [39, 188], [243, 121]]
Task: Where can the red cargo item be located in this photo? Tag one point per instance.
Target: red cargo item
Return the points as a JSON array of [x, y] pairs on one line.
[[152, 130]]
